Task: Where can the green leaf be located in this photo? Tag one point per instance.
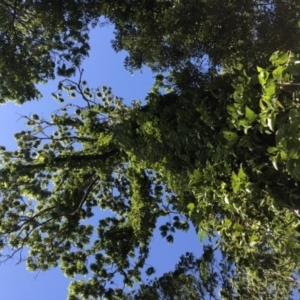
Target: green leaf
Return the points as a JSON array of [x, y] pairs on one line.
[[250, 114], [279, 104], [290, 165], [279, 72], [231, 109], [272, 150], [294, 116], [279, 58], [238, 66], [241, 174], [296, 171], [271, 121], [230, 136], [226, 199], [235, 182], [191, 206], [202, 235], [228, 223], [262, 106], [238, 89], [253, 243], [195, 178], [254, 238], [263, 77], [275, 163], [236, 234], [197, 175], [280, 137], [270, 90], [238, 227], [293, 148], [241, 79], [237, 95], [245, 73], [259, 69]]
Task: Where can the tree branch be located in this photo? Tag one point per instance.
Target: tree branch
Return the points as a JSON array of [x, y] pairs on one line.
[[84, 198]]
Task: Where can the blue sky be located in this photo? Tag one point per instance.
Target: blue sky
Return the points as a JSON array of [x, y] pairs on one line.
[[103, 67]]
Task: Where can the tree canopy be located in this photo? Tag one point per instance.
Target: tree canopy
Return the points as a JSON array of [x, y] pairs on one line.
[[203, 157], [215, 146], [39, 39], [48, 38], [166, 34]]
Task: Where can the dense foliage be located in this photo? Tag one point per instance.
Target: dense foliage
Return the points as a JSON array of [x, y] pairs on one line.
[[215, 145], [39, 39], [44, 38], [209, 157], [168, 34]]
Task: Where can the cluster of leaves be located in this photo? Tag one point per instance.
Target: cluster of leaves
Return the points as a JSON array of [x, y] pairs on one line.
[[66, 169], [217, 149], [39, 39], [42, 36], [184, 152], [275, 112], [234, 189], [191, 279], [170, 33]]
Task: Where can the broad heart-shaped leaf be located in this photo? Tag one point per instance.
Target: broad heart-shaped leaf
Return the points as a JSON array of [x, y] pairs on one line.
[[279, 72], [263, 77], [250, 114], [279, 58], [269, 90]]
